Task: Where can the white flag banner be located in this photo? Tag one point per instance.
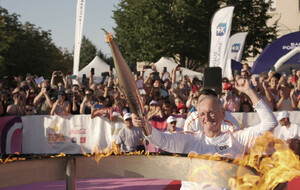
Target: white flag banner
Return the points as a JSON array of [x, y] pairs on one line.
[[71, 135], [78, 34], [220, 32], [234, 51]]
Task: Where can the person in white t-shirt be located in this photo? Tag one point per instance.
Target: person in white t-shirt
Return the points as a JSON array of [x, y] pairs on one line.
[[193, 123], [171, 122], [289, 132], [212, 140]]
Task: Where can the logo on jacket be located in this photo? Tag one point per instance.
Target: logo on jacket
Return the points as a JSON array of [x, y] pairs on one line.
[[221, 29]]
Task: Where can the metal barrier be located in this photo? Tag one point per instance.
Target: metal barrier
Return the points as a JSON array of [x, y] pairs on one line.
[[121, 166]]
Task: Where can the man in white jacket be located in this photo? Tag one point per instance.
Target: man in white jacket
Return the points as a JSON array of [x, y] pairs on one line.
[[212, 140], [193, 123]]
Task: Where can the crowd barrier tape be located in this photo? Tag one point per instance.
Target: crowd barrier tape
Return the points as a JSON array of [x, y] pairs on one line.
[[76, 134]]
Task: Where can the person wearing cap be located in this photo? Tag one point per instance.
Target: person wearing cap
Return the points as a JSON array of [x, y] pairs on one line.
[[130, 138], [193, 123], [182, 109], [289, 132], [155, 110], [230, 99], [212, 140], [18, 106], [61, 105], [171, 121]]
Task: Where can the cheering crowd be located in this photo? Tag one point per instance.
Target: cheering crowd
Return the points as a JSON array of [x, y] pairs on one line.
[[164, 97]]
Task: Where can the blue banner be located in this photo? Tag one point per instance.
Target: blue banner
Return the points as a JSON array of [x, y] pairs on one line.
[[275, 51]]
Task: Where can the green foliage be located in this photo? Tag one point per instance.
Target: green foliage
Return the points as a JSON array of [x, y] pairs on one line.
[[27, 49], [147, 30], [106, 59], [87, 52], [251, 16]]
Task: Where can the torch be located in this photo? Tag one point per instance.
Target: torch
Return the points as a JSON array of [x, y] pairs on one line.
[[127, 83]]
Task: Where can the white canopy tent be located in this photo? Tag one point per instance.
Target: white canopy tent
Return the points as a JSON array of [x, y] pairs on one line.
[[98, 64], [170, 64]]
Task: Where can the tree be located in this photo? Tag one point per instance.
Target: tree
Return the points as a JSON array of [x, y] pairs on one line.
[[87, 52], [27, 49], [147, 30], [106, 59], [251, 16]]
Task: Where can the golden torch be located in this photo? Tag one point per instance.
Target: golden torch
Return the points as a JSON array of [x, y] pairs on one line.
[[127, 83]]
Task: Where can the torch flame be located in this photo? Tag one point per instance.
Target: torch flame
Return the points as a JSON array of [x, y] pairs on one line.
[[273, 159]]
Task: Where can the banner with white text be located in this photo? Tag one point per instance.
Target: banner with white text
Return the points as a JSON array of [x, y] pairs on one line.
[[78, 34], [72, 135], [220, 32], [235, 49]]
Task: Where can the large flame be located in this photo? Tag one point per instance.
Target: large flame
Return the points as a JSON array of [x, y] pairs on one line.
[[273, 159]]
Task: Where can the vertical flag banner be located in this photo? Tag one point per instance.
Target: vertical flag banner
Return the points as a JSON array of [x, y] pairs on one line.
[[78, 34], [235, 49], [220, 32]]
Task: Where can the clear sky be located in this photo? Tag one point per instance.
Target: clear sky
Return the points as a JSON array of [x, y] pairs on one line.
[[59, 17]]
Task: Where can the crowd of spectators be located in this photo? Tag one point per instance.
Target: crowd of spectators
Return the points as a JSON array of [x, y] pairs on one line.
[[162, 95]]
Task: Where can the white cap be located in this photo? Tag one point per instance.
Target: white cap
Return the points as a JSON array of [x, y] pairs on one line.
[[115, 114], [126, 116], [153, 102], [282, 114], [171, 119]]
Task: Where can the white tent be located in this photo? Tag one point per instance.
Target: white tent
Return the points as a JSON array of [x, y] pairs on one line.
[[98, 64], [170, 64]]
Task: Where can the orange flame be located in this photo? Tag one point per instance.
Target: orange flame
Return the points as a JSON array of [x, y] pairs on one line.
[[109, 37], [273, 159]]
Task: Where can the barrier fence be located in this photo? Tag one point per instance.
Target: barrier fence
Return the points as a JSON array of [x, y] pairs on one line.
[[44, 134]]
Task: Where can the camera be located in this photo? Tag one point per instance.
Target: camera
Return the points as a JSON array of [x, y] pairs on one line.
[[93, 71], [165, 69], [147, 67]]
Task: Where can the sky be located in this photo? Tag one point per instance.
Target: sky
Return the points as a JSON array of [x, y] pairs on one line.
[[59, 16]]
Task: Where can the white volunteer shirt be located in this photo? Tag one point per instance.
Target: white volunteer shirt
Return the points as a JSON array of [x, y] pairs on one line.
[[227, 144], [193, 123], [289, 133]]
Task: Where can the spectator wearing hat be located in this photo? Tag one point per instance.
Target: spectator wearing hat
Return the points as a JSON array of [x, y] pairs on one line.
[[130, 138], [18, 106], [155, 110], [231, 101], [182, 109], [61, 106], [171, 121], [289, 132]]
